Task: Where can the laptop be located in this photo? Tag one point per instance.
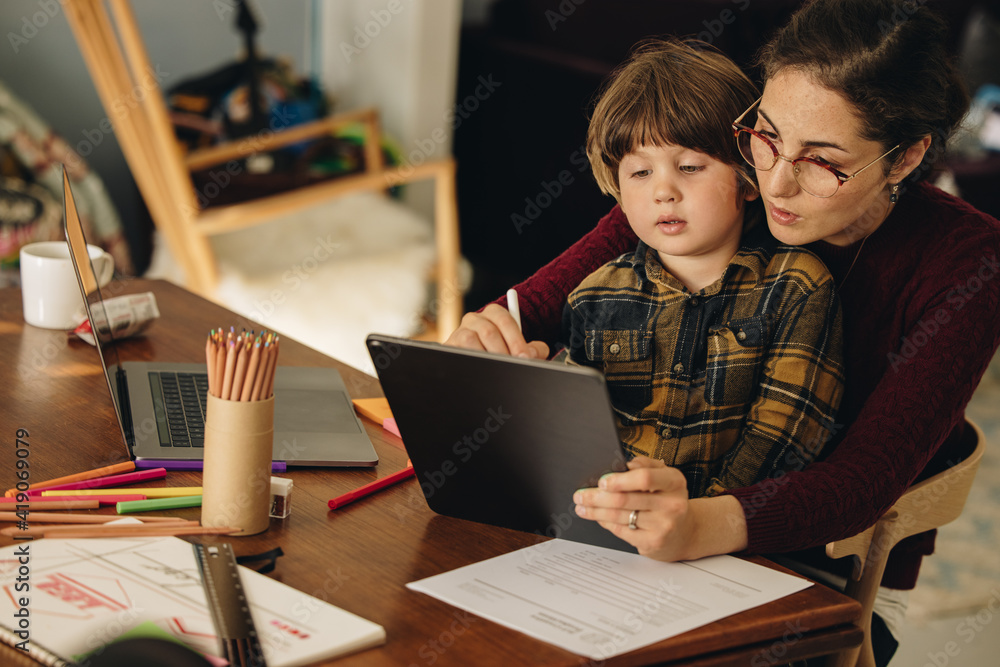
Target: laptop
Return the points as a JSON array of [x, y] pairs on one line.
[[501, 440], [161, 406]]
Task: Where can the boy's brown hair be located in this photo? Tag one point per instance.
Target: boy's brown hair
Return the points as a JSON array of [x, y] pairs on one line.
[[669, 92]]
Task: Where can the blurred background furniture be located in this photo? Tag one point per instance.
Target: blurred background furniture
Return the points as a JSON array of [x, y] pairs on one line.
[[116, 58]]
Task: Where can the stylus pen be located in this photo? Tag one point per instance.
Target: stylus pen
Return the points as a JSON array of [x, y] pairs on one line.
[[372, 487], [513, 307]]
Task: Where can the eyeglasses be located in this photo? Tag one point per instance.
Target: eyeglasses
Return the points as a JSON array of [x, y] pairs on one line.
[[813, 175]]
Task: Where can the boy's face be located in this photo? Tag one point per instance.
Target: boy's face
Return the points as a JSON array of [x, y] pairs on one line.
[[683, 204]]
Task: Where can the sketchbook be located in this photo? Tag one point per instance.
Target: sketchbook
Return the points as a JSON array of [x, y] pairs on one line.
[[84, 593]]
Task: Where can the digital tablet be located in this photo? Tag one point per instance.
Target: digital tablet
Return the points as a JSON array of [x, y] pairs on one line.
[[501, 440]]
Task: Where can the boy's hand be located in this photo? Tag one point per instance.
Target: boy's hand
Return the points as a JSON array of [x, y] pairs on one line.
[[494, 330]]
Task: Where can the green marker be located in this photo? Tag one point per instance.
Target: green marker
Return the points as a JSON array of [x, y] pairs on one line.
[[133, 506]]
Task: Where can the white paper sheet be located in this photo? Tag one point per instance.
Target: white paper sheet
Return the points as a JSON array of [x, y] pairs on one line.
[[600, 602]]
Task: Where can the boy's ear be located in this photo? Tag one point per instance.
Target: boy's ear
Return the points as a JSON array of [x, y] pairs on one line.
[[747, 186]]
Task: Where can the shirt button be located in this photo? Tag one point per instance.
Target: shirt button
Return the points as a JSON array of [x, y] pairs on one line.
[[615, 348], [666, 433], [679, 368], [694, 302], [741, 335]]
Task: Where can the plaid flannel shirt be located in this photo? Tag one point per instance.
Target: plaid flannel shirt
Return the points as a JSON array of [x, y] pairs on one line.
[[731, 385]]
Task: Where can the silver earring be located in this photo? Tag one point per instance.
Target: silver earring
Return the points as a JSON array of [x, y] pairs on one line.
[[894, 195]]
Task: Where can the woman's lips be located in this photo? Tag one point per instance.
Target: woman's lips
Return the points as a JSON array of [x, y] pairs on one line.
[[783, 217]]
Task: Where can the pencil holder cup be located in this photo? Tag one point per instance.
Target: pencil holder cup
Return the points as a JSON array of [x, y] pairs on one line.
[[236, 479]]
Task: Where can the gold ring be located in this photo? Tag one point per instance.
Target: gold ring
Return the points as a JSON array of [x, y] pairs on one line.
[[631, 520]]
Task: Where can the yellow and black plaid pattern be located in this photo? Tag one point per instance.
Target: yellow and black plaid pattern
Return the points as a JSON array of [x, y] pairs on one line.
[[731, 385]]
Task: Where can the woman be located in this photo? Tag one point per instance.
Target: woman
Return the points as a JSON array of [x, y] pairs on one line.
[[860, 90]]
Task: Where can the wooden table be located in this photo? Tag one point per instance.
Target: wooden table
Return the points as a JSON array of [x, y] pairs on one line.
[[360, 557]]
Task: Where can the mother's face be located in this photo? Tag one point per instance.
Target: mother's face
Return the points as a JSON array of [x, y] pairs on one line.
[[804, 119]]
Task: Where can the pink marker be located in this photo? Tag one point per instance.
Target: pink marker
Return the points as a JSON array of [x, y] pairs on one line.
[[103, 501], [111, 480]]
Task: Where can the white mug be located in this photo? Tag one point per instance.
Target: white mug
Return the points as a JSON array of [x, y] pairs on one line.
[[49, 288]]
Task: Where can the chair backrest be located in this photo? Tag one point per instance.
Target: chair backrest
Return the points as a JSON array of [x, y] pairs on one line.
[[926, 505]]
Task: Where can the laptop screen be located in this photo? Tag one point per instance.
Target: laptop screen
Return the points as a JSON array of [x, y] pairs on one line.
[[92, 297]]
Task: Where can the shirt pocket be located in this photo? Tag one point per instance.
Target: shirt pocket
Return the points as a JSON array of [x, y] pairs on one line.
[[736, 354], [626, 357]]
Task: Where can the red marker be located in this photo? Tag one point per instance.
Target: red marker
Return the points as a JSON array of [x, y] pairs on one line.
[[372, 487]]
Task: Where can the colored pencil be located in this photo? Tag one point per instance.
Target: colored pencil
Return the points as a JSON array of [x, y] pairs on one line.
[[220, 363], [268, 390], [51, 530], [242, 365], [54, 503], [227, 379], [55, 517], [140, 531], [158, 504], [101, 482], [252, 370], [102, 500], [148, 491], [126, 466]]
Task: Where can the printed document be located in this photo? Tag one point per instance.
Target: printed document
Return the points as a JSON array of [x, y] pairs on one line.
[[599, 602]]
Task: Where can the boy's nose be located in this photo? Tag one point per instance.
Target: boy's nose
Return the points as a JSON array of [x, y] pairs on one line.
[[666, 190]]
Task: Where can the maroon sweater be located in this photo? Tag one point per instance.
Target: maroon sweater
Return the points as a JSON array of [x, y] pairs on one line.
[[921, 323]]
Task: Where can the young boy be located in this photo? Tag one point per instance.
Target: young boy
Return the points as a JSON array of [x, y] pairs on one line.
[[721, 348]]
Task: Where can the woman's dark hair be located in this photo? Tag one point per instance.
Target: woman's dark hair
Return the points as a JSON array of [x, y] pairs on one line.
[[888, 58]]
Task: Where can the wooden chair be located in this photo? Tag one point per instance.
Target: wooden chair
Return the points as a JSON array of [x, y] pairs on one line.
[[926, 505], [116, 58]]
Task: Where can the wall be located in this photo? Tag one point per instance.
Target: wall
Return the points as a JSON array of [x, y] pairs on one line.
[[400, 56]]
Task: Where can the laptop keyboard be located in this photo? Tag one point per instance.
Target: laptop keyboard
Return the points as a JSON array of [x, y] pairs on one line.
[[179, 402]]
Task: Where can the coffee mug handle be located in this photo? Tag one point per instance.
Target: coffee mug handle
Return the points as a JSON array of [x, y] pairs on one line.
[[105, 268]]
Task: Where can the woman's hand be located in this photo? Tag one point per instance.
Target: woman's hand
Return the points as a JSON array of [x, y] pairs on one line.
[[668, 526], [494, 330]]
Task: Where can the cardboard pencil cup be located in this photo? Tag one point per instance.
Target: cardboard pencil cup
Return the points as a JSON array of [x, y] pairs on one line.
[[236, 483]]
